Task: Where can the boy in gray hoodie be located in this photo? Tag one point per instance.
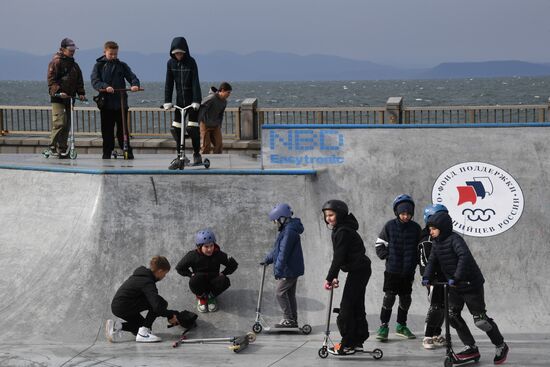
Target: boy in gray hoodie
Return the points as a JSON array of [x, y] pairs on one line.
[[211, 117]]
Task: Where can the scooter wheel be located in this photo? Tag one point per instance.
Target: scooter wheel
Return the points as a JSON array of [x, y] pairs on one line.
[[257, 328], [251, 337], [73, 154], [377, 353], [323, 352], [206, 163], [448, 362], [306, 329]]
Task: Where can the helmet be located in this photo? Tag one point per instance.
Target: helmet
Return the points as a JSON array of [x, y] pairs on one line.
[[403, 198], [204, 236], [280, 210], [336, 205], [432, 209]]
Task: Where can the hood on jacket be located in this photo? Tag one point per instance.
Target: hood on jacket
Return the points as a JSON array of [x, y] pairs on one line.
[[348, 221], [295, 224], [443, 222], [142, 271], [181, 44]]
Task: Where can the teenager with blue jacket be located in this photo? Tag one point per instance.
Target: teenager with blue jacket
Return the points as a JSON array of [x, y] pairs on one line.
[[288, 262]]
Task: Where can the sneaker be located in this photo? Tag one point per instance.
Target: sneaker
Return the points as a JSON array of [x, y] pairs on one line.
[[382, 333], [340, 350], [212, 304], [202, 304], [113, 330], [428, 343], [439, 341], [287, 323], [197, 159], [359, 348], [130, 154], [144, 335], [403, 331], [501, 353], [63, 155], [468, 352]]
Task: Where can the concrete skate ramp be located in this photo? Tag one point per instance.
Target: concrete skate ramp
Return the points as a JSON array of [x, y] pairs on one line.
[[69, 240]]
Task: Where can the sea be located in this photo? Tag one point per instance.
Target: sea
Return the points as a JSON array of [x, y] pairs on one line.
[[351, 93]]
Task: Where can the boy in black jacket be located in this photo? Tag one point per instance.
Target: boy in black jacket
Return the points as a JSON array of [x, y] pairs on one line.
[[139, 293], [202, 265], [349, 256], [465, 280], [397, 244]]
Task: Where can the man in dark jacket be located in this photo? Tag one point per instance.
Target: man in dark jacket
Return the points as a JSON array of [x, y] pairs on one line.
[[108, 74], [139, 293], [64, 82], [288, 262], [182, 71], [465, 279], [211, 117]]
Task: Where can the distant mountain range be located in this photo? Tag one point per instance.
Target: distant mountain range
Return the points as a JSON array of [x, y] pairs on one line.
[[268, 66]]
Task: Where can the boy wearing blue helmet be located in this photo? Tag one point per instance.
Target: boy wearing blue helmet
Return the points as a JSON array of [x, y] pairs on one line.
[[202, 266], [434, 318], [288, 262], [397, 244]]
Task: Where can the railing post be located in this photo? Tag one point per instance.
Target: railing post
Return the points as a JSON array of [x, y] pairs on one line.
[[249, 119], [547, 117], [2, 120], [394, 110]]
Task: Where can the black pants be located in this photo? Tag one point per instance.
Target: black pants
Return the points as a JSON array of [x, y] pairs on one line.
[[204, 283], [352, 319], [396, 285], [110, 119], [132, 315], [436, 312], [475, 301], [192, 131]]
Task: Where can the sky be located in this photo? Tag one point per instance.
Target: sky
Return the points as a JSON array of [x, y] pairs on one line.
[[410, 33]]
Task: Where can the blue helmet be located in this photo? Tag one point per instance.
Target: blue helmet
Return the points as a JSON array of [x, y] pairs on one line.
[[204, 236], [403, 198], [280, 210], [432, 209]]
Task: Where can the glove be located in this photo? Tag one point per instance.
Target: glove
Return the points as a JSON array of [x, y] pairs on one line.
[[195, 106], [425, 282], [451, 282], [167, 106]]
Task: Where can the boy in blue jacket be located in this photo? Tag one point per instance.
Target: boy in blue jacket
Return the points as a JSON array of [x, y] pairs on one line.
[[288, 261]]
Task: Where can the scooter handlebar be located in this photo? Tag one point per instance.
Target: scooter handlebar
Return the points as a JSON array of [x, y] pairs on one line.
[[104, 90]]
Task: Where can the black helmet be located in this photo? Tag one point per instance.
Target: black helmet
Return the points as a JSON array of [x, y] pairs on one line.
[[336, 205]]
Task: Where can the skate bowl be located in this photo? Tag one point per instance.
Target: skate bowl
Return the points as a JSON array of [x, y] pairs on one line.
[[69, 239]]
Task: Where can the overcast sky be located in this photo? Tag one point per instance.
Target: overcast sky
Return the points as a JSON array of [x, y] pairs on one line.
[[394, 32]]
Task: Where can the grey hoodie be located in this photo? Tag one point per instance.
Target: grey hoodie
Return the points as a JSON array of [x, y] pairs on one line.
[[212, 109]]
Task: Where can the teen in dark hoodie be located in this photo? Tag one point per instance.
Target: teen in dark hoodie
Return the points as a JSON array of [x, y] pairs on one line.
[[202, 266], [183, 73], [211, 117], [288, 261], [451, 253], [348, 256], [139, 293]]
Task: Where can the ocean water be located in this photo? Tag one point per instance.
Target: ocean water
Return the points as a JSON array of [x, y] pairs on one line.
[[440, 92]]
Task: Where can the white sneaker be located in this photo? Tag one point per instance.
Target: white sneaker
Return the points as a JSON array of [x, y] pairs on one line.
[[428, 343], [144, 335], [439, 341], [113, 330]]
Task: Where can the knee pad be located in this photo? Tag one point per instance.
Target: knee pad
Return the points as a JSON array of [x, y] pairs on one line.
[[483, 322], [405, 302], [389, 300]]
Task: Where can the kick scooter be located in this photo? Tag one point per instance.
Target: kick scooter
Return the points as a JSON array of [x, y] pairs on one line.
[[260, 324], [323, 351], [238, 343]]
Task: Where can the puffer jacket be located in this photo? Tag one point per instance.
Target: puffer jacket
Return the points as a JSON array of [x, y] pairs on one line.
[[184, 75], [64, 76], [397, 244], [286, 254], [113, 73], [451, 253], [195, 262], [348, 248], [212, 109]]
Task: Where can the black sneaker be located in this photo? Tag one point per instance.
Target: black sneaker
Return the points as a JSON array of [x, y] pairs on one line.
[[286, 323], [501, 353], [468, 352], [130, 154], [340, 350], [197, 159]]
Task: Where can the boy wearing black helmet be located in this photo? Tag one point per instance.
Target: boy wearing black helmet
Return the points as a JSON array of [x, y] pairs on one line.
[[288, 262], [202, 266], [348, 256], [397, 244]]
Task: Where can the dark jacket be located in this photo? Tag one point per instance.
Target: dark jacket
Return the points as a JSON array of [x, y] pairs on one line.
[[287, 253], [397, 244], [195, 262], [113, 73], [424, 250], [452, 255], [212, 109], [184, 75], [348, 248], [140, 285], [64, 76]]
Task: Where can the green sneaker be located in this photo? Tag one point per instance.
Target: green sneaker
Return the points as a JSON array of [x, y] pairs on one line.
[[212, 304], [403, 331], [382, 333]]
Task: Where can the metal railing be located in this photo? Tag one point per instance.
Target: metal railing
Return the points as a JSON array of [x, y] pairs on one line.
[[475, 114], [340, 115]]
